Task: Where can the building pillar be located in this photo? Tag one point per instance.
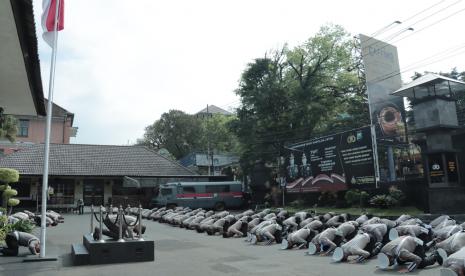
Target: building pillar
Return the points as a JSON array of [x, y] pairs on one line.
[[78, 189], [107, 190]]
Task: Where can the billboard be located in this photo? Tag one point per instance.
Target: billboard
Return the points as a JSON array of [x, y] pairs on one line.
[[331, 163], [382, 74]]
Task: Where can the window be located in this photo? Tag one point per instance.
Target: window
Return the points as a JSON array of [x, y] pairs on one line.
[[23, 128], [165, 191], [188, 190], [217, 189]]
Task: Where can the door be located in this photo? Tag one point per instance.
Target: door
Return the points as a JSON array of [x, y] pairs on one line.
[[93, 192]]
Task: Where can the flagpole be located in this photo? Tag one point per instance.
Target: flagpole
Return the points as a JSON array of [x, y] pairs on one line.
[[43, 221]]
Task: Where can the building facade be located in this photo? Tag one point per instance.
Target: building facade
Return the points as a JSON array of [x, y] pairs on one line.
[[201, 161], [98, 174], [31, 130]]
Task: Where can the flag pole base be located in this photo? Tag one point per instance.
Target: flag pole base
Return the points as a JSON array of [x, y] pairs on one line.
[[32, 259]]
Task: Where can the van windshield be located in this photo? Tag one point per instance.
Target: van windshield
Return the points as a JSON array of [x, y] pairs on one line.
[[165, 191]]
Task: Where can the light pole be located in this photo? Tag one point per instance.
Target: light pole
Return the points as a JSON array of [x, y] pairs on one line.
[[281, 178]]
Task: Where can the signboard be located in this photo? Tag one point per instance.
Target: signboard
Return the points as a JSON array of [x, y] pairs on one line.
[[436, 169], [451, 162], [331, 163], [382, 74]]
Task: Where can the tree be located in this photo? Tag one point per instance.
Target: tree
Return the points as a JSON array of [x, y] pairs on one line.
[[216, 132], [179, 134], [8, 126], [176, 131], [8, 176], [291, 94]]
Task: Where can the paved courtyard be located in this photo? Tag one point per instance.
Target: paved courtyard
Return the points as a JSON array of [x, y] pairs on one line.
[[184, 252]]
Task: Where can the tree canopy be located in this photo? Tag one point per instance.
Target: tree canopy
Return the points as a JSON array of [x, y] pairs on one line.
[[8, 126], [292, 94], [180, 134]]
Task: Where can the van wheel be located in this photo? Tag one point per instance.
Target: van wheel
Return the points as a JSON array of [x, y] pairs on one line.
[[171, 206], [219, 206]]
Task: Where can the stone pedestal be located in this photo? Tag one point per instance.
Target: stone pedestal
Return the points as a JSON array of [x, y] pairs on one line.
[[108, 252]]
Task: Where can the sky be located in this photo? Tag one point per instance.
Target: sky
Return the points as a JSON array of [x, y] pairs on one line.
[[121, 64]]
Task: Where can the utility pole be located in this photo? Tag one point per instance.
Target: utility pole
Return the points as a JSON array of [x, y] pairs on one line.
[[208, 142]]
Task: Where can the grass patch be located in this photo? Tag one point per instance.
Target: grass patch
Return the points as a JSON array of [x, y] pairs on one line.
[[392, 211]]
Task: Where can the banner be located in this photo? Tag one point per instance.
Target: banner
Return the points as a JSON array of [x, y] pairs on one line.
[[382, 74], [331, 163]]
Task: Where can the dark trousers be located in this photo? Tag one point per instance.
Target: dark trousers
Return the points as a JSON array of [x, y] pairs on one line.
[[12, 245], [81, 209]]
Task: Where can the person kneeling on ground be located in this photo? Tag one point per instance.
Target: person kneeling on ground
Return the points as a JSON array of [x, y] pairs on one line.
[[453, 244], [239, 228], [454, 264], [16, 239], [363, 245], [406, 249], [269, 234], [299, 238], [325, 242]]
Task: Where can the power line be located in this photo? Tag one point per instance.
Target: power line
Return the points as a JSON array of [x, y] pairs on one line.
[[415, 64], [413, 16], [432, 24], [433, 14], [443, 58]]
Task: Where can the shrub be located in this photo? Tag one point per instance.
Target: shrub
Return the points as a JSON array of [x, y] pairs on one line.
[[396, 194], [297, 203], [8, 176], [23, 226], [356, 197], [383, 201]]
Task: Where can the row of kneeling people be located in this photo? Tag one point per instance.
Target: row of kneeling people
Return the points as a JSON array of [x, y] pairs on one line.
[[52, 217], [406, 240], [15, 239]]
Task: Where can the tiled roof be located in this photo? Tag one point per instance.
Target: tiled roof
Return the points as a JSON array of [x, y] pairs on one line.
[[58, 111], [213, 109], [94, 160]]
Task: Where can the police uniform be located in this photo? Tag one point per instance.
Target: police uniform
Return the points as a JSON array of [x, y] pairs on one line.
[[455, 263], [16, 239], [454, 243], [408, 249]]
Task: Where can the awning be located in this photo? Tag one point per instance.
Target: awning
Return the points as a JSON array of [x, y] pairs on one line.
[[430, 85], [129, 182]]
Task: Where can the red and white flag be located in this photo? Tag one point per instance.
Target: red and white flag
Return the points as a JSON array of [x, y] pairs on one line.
[[48, 19]]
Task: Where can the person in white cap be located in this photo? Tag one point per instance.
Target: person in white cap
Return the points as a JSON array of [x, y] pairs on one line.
[[292, 223], [406, 249], [251, 235], [363, 245], [325, 242], [423, 233], [269, 234], [453, 244], [299, 238], [378, 231], [219, 225], [446, 231], [335, 221], [361, 219], [454, 265], [254, 222], [238, 229], [347, 230]]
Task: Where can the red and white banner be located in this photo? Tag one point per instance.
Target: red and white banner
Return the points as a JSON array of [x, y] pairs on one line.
[[48, 19]]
